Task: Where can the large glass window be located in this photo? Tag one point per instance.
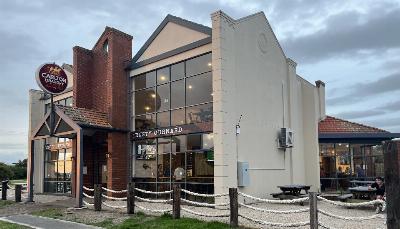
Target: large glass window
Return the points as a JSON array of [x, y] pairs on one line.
[[173, 95]]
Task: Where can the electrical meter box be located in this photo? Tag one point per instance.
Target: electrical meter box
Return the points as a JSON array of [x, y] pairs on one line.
[[243, 174]]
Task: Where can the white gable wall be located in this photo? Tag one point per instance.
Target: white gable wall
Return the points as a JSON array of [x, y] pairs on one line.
[[172, 36]]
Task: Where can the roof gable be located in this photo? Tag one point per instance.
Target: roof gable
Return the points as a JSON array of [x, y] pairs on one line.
[[335, 125], [173, 33]]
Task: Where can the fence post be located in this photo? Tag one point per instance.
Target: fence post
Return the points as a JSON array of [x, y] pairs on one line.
[[313, 210], [18, 190], [392, 183], [130, 198], [234, 207], [176, 202], [97, 197], [4, 187]]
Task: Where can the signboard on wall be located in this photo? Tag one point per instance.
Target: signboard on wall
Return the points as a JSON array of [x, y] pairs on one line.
[[51, 78], [173, 130], [58, 146]]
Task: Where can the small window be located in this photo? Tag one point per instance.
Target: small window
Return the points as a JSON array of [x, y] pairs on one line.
[[105, 46]]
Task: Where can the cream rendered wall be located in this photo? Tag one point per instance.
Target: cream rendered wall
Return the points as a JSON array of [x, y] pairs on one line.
[[36, 113], [171, 37], [253, 78]]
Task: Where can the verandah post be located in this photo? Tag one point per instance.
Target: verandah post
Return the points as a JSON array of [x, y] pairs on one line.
[[313, 210], [130, 200], [97, 197], [18, 190], [176, 202], [392, 183], [234, 207]]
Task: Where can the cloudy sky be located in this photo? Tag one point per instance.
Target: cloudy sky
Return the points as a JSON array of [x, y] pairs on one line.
[[353, 46]]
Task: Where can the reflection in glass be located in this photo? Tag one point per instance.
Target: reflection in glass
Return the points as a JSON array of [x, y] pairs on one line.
[[163, 167], [163, 75], [194, 142], [199, 89], [198, 65], [178, 167], [146, 149], [162, 97], [178, 117], [179, 143], [177, 94], [145, 80], [163, 119], [177, 71], [145, 101], [144, 122], [201, 113]]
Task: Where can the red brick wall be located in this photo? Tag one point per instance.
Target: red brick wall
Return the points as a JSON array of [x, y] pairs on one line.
[[101, 83]]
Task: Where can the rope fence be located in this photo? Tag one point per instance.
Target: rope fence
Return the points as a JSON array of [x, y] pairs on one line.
[[234, 208]]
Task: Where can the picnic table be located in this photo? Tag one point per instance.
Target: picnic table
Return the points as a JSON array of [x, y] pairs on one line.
[[363, 192], [294, 189], [361, 182]]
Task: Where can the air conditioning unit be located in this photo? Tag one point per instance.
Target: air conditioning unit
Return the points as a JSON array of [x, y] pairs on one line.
[[286, 138]]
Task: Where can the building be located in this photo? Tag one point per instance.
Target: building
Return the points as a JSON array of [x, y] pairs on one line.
[[350, 151], [194, 106]]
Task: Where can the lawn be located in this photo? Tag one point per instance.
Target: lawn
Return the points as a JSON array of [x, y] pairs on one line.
[[4, 203], [140, 220], [6, 225]]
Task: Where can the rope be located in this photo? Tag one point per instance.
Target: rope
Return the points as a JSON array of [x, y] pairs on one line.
[[112, 206], [86, 195], [150, 192], [325, 226], [86, 203], [203, 204], [275, 211], [88, 189], [113, 198], [204, 195], [9, 187], [203, 214], [113, 191], [153, 201], [275, 224], [373, 202], [299, 200], [152, 210], [351, 217]]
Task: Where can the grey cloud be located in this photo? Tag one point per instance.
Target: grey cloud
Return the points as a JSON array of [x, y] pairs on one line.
[[346, 36], [359, 114], [360, 91]]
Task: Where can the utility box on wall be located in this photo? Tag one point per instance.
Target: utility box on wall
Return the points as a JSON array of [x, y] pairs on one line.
[[243, 174]]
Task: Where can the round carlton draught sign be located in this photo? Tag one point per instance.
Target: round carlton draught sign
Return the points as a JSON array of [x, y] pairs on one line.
[[51, 78]]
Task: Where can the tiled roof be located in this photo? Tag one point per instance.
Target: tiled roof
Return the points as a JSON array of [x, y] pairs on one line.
[[335, 125], [86, 117]]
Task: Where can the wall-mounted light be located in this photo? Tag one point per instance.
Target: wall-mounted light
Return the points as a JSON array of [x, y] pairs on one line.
[[108, 154]]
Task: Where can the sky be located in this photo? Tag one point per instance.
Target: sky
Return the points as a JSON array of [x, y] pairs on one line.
[[353, 46]]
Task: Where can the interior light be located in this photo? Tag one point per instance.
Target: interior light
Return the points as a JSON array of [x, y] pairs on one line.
[[190, 86], [147, 108], [209, 64], [212, 94], [162, 78], [153, 95]]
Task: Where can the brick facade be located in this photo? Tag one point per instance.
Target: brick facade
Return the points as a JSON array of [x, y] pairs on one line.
[[101, 84]]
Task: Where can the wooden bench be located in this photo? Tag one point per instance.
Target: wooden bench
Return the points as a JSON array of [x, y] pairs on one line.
[[345, 197]]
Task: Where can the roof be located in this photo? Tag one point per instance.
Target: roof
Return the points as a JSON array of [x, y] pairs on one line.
[[86, 117], [333, 129], [335, 125], [177, 20]]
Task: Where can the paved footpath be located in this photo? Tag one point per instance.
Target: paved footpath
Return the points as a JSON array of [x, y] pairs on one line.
[[38, 222]]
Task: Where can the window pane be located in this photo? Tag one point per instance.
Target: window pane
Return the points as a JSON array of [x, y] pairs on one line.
[[50, 171], [199, 89], [201, 113], [163, 119], [145, 122], [194, 142], [179, 143], [198, 65], [163, 97], [145, 80], [178, 117], [68, 102], [177, 94], [163, 75], [208, 141], [199, 166], [163, 167], [178, 167], [164, 145], [146, 149], [177, 71], [145, 101]]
